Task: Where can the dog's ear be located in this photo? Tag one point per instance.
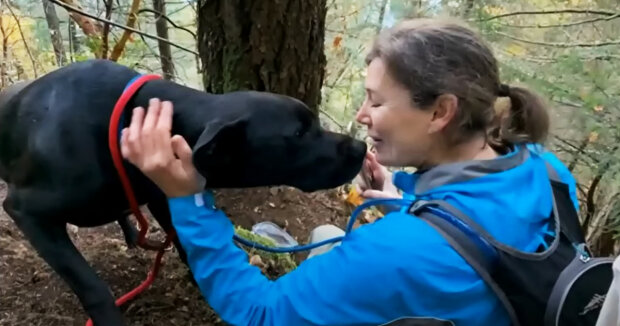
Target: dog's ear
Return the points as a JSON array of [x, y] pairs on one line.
[[218, 144]]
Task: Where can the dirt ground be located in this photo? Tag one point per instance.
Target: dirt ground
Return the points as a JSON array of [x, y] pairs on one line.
[[32, 294]]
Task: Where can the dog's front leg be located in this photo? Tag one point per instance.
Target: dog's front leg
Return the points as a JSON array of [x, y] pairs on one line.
[[160, 211], [129, 231], [53, 244]]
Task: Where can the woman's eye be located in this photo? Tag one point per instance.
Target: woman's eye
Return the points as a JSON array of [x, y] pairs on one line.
[[375, 105]]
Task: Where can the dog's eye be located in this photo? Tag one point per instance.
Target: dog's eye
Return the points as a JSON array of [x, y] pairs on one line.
[[299, 133]]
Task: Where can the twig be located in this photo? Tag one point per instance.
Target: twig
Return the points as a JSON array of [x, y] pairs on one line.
[[21, 32], [81, 12], [158, 15], [549, 12], [582, 147], [576, 148], [381, 16], [106, 29], [561, 45], [590, 204], [119, 47], [332, 119], [581, 22]]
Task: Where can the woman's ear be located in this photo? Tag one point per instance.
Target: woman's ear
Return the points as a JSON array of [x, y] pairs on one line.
[[444, 110]]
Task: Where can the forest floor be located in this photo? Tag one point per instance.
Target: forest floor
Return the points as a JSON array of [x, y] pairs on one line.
[[32, 294]]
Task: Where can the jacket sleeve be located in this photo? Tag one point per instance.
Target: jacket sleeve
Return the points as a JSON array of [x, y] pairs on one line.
[[357, 283]]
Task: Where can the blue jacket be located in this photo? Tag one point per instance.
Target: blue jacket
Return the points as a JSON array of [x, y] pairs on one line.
[[397, 267]]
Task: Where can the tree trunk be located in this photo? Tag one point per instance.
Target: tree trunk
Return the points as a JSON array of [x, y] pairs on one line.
[[165, 53], [54, 26], [263, 45], [5, 49]]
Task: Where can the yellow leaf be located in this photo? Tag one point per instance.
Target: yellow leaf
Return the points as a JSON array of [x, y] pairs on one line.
[[515, 49], [494, 10], [598, 108], [354, 197], [593, 136]]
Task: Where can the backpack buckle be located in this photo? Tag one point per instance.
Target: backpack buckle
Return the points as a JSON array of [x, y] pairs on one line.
[[584, 256]]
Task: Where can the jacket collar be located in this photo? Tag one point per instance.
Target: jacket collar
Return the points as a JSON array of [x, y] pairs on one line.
[[420, 182]]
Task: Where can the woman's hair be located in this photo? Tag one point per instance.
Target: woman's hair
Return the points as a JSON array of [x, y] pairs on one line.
[[431, 57]]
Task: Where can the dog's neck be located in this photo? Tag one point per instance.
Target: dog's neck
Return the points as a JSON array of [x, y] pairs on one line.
[[192, 108]]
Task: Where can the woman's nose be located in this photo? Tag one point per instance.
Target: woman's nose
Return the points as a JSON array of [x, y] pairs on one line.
[[362, 116]]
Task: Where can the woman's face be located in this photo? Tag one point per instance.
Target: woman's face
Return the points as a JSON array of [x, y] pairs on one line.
[[401, 133]]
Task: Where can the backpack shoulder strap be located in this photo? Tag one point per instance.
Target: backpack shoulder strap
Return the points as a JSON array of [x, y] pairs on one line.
[[476, 251], [567, 216]]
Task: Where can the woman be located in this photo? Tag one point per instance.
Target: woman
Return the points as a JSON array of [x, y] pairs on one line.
[[431, 86]]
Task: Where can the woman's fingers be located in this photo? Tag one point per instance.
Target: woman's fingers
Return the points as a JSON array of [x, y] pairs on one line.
[[133, 139], [372, 193], [182, 150], [376, 172], [164, 121], [152, 115], [125, 150]]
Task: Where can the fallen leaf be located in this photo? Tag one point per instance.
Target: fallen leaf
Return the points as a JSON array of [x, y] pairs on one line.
[[336, 42], [593, 136]]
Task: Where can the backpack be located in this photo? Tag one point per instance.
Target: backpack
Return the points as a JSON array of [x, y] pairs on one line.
[[559, 284]]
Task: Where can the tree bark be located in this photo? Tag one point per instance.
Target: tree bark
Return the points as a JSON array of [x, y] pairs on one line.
[[54, 26], [5, 49], [165, 52], [263, 45]]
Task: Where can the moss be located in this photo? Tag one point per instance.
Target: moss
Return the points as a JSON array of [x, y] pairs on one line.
[[276, 264]]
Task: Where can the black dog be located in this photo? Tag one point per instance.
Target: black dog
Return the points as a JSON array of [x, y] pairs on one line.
[[55, 158]]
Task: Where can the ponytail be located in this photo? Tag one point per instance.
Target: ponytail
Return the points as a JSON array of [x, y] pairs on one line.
[[525, 121]]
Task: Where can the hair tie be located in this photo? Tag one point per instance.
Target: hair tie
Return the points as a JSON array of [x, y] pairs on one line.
[[504, 90]]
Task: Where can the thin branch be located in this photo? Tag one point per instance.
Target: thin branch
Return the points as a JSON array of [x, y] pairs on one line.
[[582, 147], [119, 47], [158, 15], [21, 32], [106, 29], [590, 204], [384, 4], [81, 12], [332, 119], [576, 148], [561, 45], [581, 22], [550, 12]]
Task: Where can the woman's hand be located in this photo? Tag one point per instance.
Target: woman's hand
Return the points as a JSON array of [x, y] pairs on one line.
[[375, 181], [166, 160]]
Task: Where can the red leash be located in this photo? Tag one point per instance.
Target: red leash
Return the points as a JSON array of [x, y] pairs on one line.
[[113, 142]]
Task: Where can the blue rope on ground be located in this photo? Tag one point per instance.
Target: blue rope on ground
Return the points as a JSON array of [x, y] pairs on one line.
[[354, 216]]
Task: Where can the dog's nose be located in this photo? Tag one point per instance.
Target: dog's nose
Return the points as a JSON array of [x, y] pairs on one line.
[[353, 148], [359, 147]]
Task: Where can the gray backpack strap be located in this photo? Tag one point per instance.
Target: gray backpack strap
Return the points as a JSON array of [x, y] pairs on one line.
[[464, 245]]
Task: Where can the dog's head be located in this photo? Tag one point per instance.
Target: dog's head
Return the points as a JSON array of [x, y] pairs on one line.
[[265, 139]]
